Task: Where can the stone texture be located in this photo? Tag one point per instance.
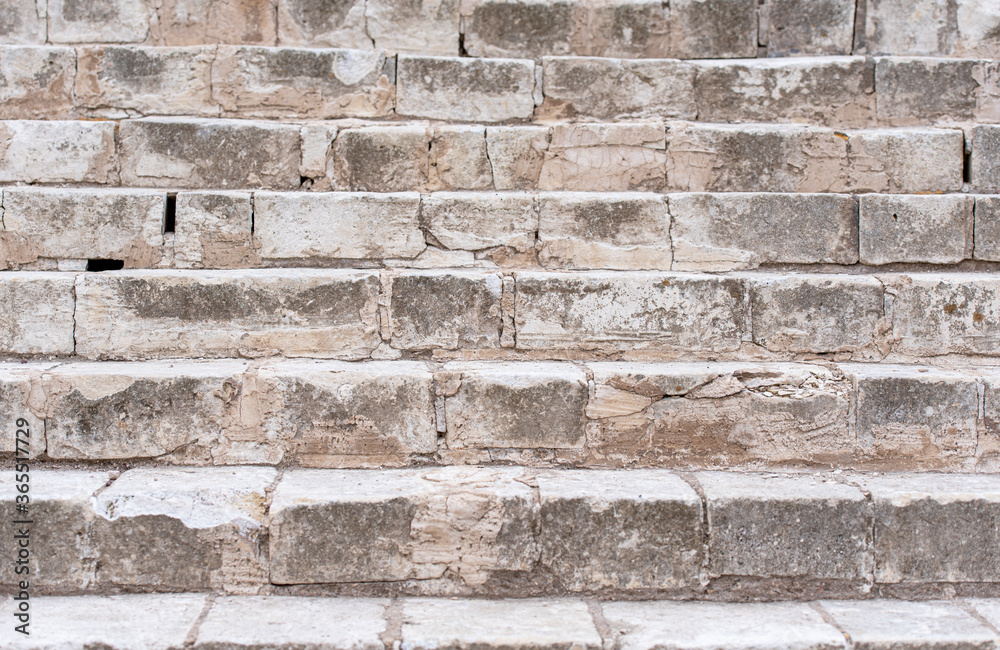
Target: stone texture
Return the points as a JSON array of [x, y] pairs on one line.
[[98, 21], [985, 159], [608, 89], [322, 24], [967, 28], [906, 161], [919, 91], [476, 221], [605, 157], [548, 624], [464, 89], [899, 624], [212, 154], [608, 529], [933, 229], [193, 529], [469, 319], [35, 82], [519, 405], [837, 92], [420, 26], [987, 229], [337, 225], [38, 316], [458, 159], [786, 526], [156, 314], [935, 527], [381, 158], [607, 230], [988, 609], [628, 311], [212, 230], [23, 22], [57, 152], [713, 29], [796, 27], [18, 398], [289, 83], [517, 155], [719, 232], [122, 225], [194, 22]]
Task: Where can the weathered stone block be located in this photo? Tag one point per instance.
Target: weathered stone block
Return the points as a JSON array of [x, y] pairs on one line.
[[521, 405], [629, 311], [37, 313], [286, 82], [918, 91], [19, 397], [796, 27], [152, 314], [888, 623], [212, 230], [989, 609], [733, 230], [469, 319], [836, 92], [985, 159], [465, 89], [23, 22], [209, 153], [605, 157], [966, 28], [935, 527], [420, 26], [36, 82], [194, 22], [768, 526], [57, 152], [907, 228], [115, 224], [608, 89], [517, 154], [612, 529], [476, 221], [905, 161], [337, 225], [607, 230], [391, 525], [816, 313], [713, 29], [322, 24], [459, 159], [98, 21], [381, 158], [987, 229]]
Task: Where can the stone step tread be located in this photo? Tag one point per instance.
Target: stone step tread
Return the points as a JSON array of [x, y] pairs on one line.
[[216, 153], [324, 413], [500, 530]]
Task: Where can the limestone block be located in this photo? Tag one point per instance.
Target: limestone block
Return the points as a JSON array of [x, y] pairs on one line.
[[797, 27], [322, 24], [905, 161], [465, 89], [630, 310], [908, 228], [459, 159], [930, 27], [733, 230], [713, 29], [19, 383], [38, 313], [612, 529], [212, 230], [902, 624], [156, 314], [288, 82], [112, 224], [337, 225], [419, 26], [985, 159], [469, 319], [517, 154], [194, 22], [919, 91], [604, 230], [57, 152], [989, 609], [381, 158], [23, 22], [209, 153], [605, 157], [36, 82], [987, 230], [773, 526], [98, 21], [475, 221]]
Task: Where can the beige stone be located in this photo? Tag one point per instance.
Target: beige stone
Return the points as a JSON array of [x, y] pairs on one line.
[[19, 383], [464, 89], [931, 27], [322, 24], [98, 21], [24, 23], [57, 152], [517, 154], [984, 168], [419, 26], [470, 319], [381, 158], [713, 29], [38, 313], [905, 161], [212, 230], [459, 159], [900, 228], [797, 27], [605, 157], [477, 221], [919, 91], [987, 229], [36, 82], [194, 22]]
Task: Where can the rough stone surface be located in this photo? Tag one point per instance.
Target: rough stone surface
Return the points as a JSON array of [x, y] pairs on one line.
[[465, 89], [929, 27], [517, 155], [988, 609], [212, 230], [920, 91], [900, 624], [906, 161], [38, 313], [322, 24], [605, 157], [476, 221], [23, 22], [18, 395], [470, 319], [35, 82], [57, 152], [987, 229], [458, 159], [933, 229], [98, 21], [194, 22], [985, 159], [796, 27], [381, 158], [156, 314], [713, 29], [420, 26]]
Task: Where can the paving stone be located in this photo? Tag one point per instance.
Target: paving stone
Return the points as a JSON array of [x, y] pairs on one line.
[[517, 154], [415, 26], [816, 313], [419, 320], [607, 230], [212, 230], [796, 27], [988, 609], [337, 225], [291, 621], [906, 161], [209, 153], [465, 624], [156, 314], [122, 225], [608, 89], [24, 23], [987, 229], [919, 91], [935, 527], [100, 21], [786, 526], [733, 230], [713, 29], [35, 82], [18, 398], [459, 159], [57, 152], [900, 624], [628, 311], [830, 91], [899, 228], [194, 22], [382, 158], [966, 28], [288, 83], [985, 158], [322, 24], [38, 313], [392, 525], [612, 529], [476, 221], [465, 89], [605, 157], [193, 529], [736, 626]]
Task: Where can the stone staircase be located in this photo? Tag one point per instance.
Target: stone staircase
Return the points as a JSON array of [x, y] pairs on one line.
[[476, 324]]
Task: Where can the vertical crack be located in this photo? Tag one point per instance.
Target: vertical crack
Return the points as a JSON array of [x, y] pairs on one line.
[[692, 480], [392, 637], [858, 44], [831, 621], [192, 635]]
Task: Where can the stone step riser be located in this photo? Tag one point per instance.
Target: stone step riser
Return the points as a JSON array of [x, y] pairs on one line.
[[598, 414], [649, 156], [491, 531]]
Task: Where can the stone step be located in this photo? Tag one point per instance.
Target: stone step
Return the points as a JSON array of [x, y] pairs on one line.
[[334, 414], [468, 314], [212, 153], [49, 229], [58, 82], [501, 531]]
